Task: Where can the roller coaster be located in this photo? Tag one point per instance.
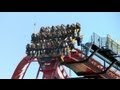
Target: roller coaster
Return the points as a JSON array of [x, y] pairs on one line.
[[54, 48]]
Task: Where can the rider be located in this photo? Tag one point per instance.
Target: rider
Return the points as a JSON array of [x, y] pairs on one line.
[[79, 40], [28, 49], [33, 49], [33, 38], [73, 28], [78, 29]]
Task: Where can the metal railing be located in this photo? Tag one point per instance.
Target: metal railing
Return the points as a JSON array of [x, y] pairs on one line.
[[112, 45], [106, 42], [96, 39]]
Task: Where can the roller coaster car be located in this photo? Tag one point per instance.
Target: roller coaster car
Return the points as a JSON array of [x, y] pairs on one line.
[[45, 59]]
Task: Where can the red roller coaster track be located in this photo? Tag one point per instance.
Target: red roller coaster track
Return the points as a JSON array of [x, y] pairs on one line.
[[52, 69]]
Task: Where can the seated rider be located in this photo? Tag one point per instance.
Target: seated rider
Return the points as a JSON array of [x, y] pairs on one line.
[[33, 38], [28, 49]]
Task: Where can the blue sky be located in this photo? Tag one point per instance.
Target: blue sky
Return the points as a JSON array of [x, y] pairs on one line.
[[16, 29]]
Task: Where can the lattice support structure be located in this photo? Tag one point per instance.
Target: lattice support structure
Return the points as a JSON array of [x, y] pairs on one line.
[[54, 69], [51, 70]]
